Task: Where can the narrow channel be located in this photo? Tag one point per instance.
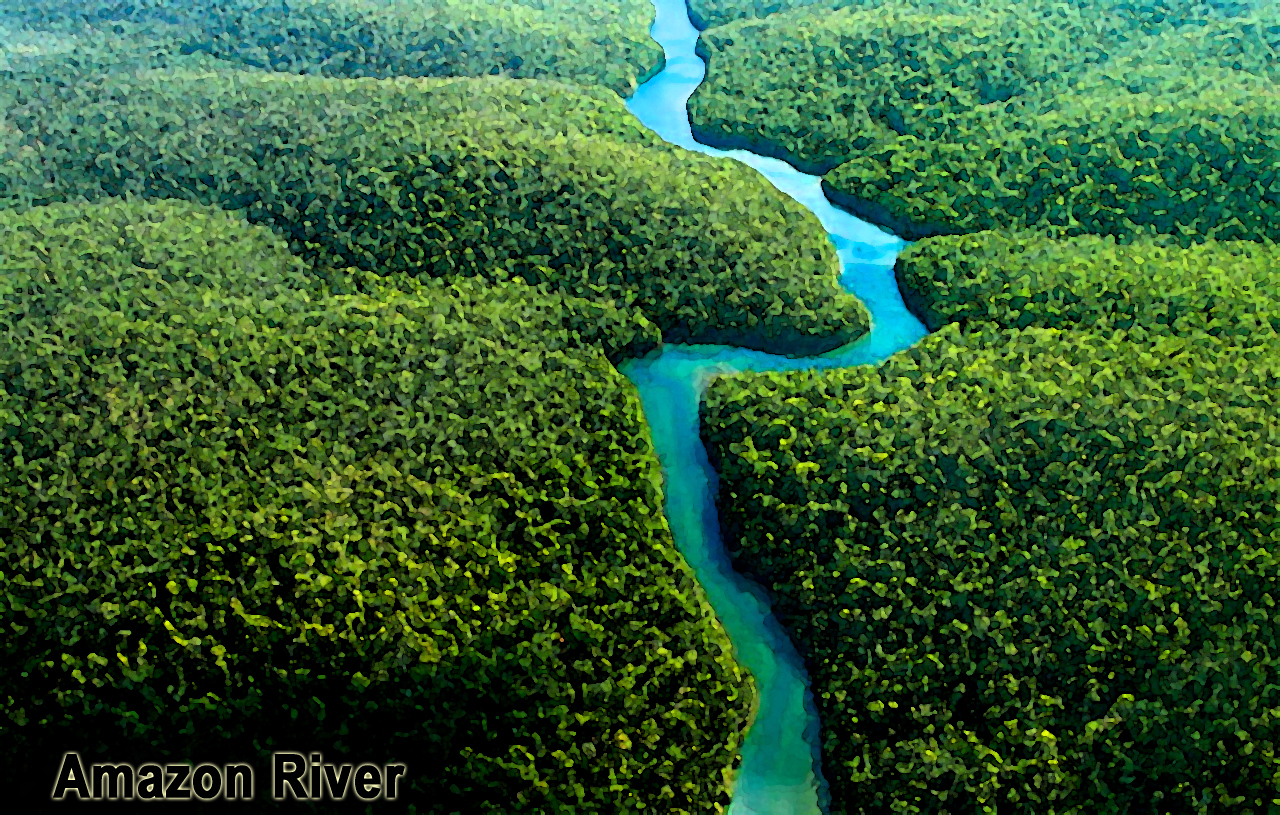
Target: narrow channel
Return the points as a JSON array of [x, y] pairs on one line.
[[781, 761]]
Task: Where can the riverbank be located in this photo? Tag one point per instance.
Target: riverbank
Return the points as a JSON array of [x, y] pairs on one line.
[[781, 772]]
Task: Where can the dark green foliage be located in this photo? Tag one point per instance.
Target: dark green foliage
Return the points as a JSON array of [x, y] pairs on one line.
[[1196, 160], [414, 178], [603, 42], [1250, 45], [239, 514], [1031, 571], [1220, 289]]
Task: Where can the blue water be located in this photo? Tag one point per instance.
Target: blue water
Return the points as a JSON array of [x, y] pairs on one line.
[[781, 760]]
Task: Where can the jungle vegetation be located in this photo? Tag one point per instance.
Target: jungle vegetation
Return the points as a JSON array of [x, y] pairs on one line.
[[933, 118], [1030, 562], [241, 512], [1138, 152], [309, 423], [1145, 15], [260, 298], [443, 177], [605, 42]]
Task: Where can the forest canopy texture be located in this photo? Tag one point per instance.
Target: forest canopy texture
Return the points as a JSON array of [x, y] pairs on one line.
[[1030, 562], [310, 430], [242, 513], [604, 42], [310, 427], [953, 116], [420, 178]]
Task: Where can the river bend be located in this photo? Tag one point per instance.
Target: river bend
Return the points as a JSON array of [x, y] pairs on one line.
[[781, 760]]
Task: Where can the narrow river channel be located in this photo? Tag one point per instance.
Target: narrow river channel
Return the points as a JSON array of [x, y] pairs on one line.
[[781, 768]]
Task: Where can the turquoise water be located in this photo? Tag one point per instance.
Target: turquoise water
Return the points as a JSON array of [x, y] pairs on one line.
[[781, 768]]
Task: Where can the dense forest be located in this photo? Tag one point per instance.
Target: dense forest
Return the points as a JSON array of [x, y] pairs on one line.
[[1029, 561], [311, 430], [942, 117], [400, 523], [605, 42]]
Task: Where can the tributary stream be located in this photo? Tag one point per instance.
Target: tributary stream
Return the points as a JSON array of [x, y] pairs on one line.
[[781, 769]]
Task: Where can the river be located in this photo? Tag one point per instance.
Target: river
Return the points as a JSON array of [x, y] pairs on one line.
[[781, 761]]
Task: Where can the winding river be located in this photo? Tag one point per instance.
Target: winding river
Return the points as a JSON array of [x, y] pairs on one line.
[[781, 760]]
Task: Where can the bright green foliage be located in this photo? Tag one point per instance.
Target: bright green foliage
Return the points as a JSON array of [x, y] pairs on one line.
[[817, 86], [1030, 560], [1031, 571], [706, 13], [417, 178], [423, 527], [604, 42], [1147, 16], [1194, 157], [19, 44], [1222, 288], [989, 86]]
